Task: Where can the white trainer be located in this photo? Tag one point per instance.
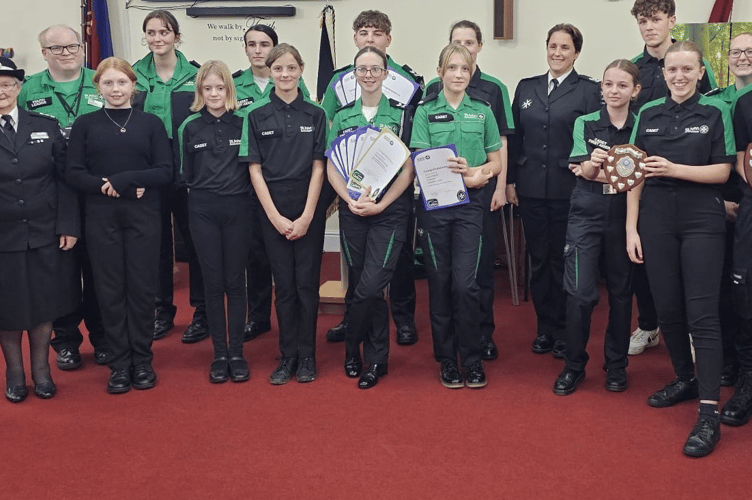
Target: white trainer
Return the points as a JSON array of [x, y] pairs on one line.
[[642, 339]]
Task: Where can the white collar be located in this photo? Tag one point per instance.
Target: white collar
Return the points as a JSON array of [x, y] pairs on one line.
[[560, 79], [14, 114]]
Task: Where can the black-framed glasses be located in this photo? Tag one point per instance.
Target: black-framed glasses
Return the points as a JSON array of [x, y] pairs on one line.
[[58, 49], [363, 71], [7, 87], [737, 53]]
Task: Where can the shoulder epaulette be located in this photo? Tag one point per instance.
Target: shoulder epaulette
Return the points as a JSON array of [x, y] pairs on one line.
[[195, 64], [714, 92], [475, 98], [238, 73], [396, 104], [430, 97], [588, 79], [40, 115], [343, 68], [412, 73], [531, 78]]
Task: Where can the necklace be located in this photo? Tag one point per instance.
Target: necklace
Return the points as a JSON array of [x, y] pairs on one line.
[[122, 128]]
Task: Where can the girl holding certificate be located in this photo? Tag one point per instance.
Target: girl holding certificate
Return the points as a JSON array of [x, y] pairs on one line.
[[372, 231], [218, 206], [690, 146], [451, 236], [284, 144], [595, 233]]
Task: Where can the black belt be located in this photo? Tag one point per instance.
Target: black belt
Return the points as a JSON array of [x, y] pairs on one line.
[[596, 187]]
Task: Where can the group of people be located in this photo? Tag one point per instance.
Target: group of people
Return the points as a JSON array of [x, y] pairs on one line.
[[96, 165]]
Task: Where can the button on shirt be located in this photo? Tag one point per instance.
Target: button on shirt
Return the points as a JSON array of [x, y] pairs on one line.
[[284, 138], [471, 128], [209, 147], [695, 132]]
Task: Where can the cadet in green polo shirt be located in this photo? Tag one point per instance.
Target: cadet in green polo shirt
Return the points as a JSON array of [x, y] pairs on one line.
[[451, 236], [65, 91]]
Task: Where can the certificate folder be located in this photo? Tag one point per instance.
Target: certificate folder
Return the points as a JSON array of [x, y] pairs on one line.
[[439, 186]]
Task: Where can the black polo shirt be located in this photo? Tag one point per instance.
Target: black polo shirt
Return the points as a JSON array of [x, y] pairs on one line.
[[743, 118], [284, 138], [597, 127], [695, 132], [209, 153]]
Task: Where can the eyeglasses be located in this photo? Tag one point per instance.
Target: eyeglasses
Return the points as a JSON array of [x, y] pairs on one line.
[[737, 53], [58, 49], [363, 71], [7, 87]]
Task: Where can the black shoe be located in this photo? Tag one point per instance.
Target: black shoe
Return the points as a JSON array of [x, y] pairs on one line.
[[371, 376], [219, 371], [196, 331], [161, 328], [729, 374], [675, 392], [120, 381], [68, 359], [703, 438], [542, 344], [45, 390], [450, 375], [16, 393], [283, 373], [407, 334], [100, 355], [475, 376], [239, 371], [738, 410], [337, 333], [567, 381], [144, 376], [353, 366], [559, 350], [488, 349], [306, 370], [616, 380], [255, 328]]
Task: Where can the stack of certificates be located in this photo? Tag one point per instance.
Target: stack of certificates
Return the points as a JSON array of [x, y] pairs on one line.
[[439, 186], [395, 87], [367, 158]]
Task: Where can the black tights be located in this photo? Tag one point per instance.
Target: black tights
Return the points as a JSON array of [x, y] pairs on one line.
[[39, 348]]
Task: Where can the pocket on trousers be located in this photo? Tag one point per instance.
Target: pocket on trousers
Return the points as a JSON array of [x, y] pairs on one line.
[[571, 268], [740, 293]]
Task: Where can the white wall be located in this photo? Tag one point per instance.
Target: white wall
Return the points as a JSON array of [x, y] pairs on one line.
[[419, 31]]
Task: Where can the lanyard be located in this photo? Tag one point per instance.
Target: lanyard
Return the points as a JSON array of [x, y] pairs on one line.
[[76, 102]]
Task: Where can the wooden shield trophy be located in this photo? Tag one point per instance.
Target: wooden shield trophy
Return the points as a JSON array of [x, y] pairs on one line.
[[624, 167]]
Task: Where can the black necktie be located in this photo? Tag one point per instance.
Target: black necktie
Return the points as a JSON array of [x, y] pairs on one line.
[[556, 84], [10, 133]]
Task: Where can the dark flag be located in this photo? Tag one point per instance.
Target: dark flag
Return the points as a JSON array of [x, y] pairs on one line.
[[97, 36], [721, 12], [326, 53]]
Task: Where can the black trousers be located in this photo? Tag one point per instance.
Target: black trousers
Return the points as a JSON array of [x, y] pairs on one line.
[[596, 238], [487, 258], [296, 267], [402, 284], [647, 317], [67, 335], [731, 323], [451, 240], [175, 208], [682, 231], [123, 242], [742, 281], [221, 229], [372, 246], [545, 225], [258, 270]]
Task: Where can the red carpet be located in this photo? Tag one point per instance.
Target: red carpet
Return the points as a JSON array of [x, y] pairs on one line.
[[406, 438]]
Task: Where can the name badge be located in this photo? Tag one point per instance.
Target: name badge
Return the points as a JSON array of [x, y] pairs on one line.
[[93, 101], [440, 118], [200, 146], [346, 130], [38, 103], [263, 134], [245, 102], [35, 136]]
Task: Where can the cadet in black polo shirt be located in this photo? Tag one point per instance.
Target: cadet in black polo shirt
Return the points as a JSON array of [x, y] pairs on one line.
[[690, 144], [595, 234], [218, 206], [284, 143]]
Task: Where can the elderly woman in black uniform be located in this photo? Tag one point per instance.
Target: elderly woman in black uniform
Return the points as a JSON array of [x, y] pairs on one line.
[[690, 144], [284, 144], [539, 180], [38, 222]]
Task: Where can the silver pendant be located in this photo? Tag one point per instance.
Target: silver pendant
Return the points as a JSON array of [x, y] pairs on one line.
[[122, 130]]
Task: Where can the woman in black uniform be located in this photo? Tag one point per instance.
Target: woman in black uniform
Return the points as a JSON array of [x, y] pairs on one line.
[[595, 234], [218, 206], [539, 180], [284, 144], [38, 224], [372, 231], [119, 157], [689, 140]]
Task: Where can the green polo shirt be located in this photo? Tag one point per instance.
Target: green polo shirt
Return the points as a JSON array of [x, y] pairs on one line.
[[388, 115], [249, 92], [331, 104], [471, 128], [159, 93], [64, 101]]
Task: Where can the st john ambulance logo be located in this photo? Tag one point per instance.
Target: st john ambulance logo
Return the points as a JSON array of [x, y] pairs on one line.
[[527, 103]]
